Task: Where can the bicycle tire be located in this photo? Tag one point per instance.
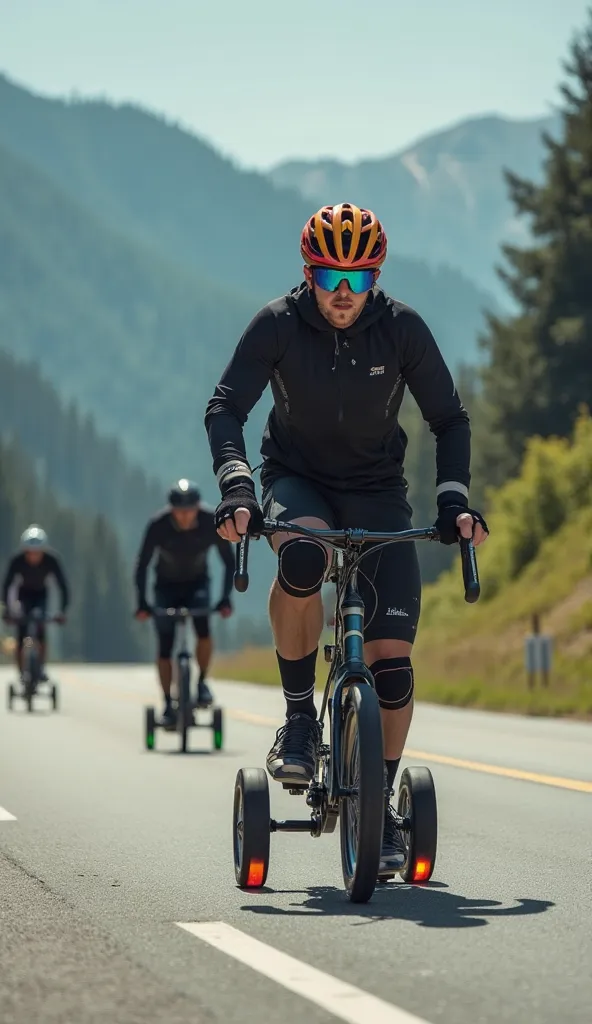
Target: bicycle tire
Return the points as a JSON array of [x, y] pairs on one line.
[[184, 702], [362, 816], [31, 674]]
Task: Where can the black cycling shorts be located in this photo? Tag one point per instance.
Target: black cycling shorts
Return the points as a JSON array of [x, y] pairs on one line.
[[389, 579], [180, 595], [28, 600]]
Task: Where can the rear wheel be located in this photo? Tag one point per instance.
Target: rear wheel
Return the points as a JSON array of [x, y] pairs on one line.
[[150, 728], [218, 727], [362, 771], [251, 828], [417, 802], [10, 695], [54, 697]]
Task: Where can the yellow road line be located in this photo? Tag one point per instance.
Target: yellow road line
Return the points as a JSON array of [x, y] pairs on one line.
[[579, 785], [557, 781]]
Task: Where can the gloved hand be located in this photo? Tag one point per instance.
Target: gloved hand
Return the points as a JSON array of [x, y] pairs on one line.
[[61, 618], [242, 496], [446, 524], [224, 607], [7, 619], [143, 611]]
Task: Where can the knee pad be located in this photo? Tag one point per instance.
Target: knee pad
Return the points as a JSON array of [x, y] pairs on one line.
[[393, 679], [302, 564]]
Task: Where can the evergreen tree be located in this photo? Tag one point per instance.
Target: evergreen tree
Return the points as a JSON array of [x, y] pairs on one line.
[[540, 365]]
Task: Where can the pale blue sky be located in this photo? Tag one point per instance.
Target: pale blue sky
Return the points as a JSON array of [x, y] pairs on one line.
[[267, 79]]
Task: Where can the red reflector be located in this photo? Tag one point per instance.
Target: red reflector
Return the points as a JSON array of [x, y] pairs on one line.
[[256, 872], [421, 871]]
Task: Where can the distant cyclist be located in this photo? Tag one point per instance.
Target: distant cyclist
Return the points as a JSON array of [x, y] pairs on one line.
[[182, 535], [339, 354], [30, 570]]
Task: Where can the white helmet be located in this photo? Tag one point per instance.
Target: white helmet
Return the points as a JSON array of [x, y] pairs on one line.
[[34, 538]]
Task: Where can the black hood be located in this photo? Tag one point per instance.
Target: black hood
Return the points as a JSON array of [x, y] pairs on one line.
[[306, 304]]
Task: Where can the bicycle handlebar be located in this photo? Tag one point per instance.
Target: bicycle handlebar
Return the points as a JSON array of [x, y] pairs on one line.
[[17, 620], [180, 613], [340, 538]]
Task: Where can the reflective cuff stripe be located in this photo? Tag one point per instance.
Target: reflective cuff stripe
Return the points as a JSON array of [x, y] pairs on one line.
[[452, 485], [230, 470]]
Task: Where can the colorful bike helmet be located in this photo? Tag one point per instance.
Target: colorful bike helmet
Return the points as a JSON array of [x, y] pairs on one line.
[[184, 494], [34, 538], [343, 236]]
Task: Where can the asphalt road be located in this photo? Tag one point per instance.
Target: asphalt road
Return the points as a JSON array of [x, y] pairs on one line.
[[110, 848]]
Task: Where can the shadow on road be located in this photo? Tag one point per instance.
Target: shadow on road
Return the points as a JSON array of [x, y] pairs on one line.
[[430, 906]]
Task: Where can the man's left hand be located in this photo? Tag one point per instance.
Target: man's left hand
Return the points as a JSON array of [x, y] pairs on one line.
[[456, 519]]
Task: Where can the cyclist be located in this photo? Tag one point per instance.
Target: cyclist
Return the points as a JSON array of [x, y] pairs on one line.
[[182, 534], [338, 353], [30, 569]]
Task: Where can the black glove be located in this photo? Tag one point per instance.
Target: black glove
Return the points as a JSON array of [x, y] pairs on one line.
[[242, 496], [223, 605], [143, 606], [446, 522]]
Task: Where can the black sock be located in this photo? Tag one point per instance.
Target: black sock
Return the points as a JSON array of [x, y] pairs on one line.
[[391, 771], [298, 679], [168, 700]]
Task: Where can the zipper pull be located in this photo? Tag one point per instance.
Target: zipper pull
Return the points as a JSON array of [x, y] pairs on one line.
[[335, 352]]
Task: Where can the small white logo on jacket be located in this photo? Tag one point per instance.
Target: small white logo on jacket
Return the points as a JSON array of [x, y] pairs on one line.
[[398, 611], [375, 370]]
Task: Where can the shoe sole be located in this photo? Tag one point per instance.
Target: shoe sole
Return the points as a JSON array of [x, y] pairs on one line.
[[294, 774]]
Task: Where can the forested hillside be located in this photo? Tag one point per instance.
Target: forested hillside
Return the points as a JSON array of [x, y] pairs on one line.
[[83, 468], [100, 626]]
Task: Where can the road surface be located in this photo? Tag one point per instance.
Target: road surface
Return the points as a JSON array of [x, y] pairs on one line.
[[107, 851]]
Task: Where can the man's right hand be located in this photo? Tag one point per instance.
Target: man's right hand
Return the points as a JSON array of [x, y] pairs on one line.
[[142, 613], [238, 512]]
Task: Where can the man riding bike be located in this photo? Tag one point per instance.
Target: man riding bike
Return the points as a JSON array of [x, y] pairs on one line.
[[31, 568], [182, 534], [338, 354]]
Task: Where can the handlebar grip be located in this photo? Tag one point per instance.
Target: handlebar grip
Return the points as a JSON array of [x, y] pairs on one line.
[[469, 570], [241, 575]]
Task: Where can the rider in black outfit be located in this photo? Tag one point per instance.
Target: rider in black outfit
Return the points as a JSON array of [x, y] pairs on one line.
[[32, 567], [338, 354], [182, 534]]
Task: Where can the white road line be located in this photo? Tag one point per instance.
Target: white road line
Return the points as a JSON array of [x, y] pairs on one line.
[[337, 997], [6, 815]]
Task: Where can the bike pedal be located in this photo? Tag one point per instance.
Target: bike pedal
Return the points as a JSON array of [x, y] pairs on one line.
[[294, 790]]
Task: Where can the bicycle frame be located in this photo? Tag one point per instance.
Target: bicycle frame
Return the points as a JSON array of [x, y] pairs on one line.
[[348, 653]]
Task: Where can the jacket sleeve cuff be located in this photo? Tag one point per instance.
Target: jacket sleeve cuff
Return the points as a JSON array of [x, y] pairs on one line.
[[451, 492]]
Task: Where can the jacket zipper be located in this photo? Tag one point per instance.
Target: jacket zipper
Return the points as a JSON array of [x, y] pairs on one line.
[[336, 368]]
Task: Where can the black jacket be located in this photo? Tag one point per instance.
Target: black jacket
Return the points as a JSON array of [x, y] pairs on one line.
[[337, 395], [33, 578], [182, 554]]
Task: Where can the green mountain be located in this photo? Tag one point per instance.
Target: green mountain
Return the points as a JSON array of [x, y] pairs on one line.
[[168, 190], [444, 198], [137, 342]]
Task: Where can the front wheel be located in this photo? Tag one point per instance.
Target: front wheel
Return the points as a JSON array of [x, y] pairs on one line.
[[184, 712], [361, 814], [54, 697], [417, 802], [251, 825], [11, 694]]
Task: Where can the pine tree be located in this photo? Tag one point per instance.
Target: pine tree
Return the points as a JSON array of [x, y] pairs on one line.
[[540, 361]]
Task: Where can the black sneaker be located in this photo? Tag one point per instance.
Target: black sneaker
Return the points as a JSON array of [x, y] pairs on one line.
[[292, 758], [394, 850], [169, 717], [205, 697]]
